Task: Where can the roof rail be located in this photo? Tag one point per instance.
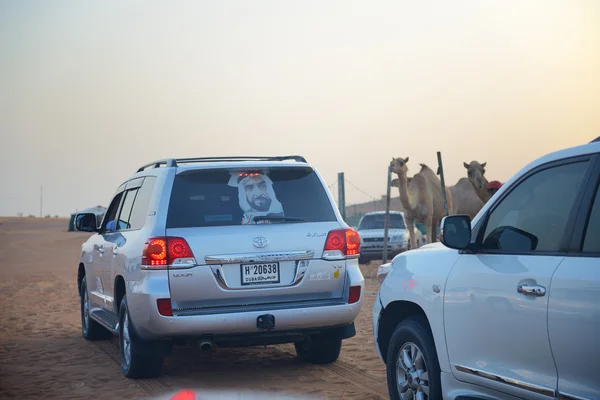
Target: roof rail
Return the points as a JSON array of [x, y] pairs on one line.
[[596, 140], [167, 162], [174, 162], [240, 158]]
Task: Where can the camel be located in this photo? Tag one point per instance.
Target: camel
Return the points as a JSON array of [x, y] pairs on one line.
[[465, 199], [475, 174], [421, 200]]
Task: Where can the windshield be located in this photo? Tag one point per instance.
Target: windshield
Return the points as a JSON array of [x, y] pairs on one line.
[[232, 197], [377, 221]]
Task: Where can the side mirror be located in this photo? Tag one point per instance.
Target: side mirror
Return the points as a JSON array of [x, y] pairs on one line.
[[456, 231], [86, 222]]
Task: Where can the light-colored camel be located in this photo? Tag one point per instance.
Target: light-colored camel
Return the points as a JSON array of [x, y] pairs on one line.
[[464, 198], [421, 200], [475, 174]]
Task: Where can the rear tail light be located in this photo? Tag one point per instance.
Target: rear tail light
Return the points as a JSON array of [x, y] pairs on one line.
[[342, 243], [164, 307], [167, 252], [354, 294]]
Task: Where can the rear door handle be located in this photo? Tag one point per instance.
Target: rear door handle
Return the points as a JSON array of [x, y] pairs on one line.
[[534, 290]]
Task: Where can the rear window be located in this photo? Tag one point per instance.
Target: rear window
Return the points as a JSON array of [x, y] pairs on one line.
[[221, 198], [377, 221]]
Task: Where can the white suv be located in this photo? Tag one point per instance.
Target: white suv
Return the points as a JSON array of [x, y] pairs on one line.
[[509, 308], [231, 251]]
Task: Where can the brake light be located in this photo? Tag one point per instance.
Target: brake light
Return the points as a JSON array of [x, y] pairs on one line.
[[352, 242], [354, 294], [155, 252], [342, 243], [170, 252], [164, 307]]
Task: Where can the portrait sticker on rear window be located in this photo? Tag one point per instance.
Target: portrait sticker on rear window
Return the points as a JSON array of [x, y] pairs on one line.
[[256, 197]]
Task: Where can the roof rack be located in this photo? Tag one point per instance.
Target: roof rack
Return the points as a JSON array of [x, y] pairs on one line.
[[174, 162], [596, 140], [167, 162]]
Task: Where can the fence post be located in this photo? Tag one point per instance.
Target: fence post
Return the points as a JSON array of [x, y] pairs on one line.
[[342, 195], [441, 174], [387, 215]]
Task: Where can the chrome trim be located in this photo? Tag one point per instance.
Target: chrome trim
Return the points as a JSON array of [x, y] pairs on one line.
[[290, 305], [566, 396], [300, 270], [507, 381], [258, 257]]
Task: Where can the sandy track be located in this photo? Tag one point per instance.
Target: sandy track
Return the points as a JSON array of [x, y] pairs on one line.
[[42, 351]]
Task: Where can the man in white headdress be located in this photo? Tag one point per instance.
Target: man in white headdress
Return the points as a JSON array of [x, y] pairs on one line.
[[256, 197]]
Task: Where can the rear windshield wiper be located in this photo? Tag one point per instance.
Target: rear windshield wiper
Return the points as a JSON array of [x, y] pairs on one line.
[[277, 219]]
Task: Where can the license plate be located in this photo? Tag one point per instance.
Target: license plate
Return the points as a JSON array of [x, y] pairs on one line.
[[259, 274]]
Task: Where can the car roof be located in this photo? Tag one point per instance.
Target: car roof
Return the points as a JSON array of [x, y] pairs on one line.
[[585, 149], [182, 165], [381, 212]]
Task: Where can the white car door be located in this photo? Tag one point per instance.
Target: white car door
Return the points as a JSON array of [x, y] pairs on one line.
[[496, 299], [100, 289], [574, 308]]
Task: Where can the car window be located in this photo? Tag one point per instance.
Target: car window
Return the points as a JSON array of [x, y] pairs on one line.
[[533, 216], [377, 221], [141, 204], [230, 197], [591, 243], [125, 214], [111, 213]]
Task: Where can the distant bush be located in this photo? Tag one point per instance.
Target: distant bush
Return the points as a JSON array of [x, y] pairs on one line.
[[20, 214], [47, 216], [31, 216]]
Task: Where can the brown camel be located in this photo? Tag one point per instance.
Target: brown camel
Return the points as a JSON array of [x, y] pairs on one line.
[[421, 200], [475, 174], [464, 198]]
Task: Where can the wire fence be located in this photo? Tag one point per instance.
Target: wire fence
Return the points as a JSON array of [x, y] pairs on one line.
[[355, 210]]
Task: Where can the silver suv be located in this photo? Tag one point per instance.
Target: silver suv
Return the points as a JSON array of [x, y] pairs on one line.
[[232, 251]]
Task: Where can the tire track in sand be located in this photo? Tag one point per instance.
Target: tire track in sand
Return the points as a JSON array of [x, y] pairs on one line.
[[359, 378]]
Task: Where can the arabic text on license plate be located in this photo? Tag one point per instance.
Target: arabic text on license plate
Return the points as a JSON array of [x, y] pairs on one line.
[[256, 274]]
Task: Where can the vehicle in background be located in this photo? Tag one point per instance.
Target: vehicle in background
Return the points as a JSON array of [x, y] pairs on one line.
[[508, 305], [371, 229], [230, 251]]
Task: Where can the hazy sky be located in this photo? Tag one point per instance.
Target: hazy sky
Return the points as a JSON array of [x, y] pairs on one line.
[[89, 91]]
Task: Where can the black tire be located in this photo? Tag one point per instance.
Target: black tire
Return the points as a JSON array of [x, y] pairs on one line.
[[137, 365], [319, 349], [414, 330], [90, 329]]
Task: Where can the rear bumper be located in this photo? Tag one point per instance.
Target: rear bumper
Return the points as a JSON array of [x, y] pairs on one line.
[[151, 325], [290, 318], [276, 336]]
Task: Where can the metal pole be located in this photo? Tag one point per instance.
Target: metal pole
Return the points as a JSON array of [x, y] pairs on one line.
[[41, 199], [387, 215], [441, 174], [341, 195]]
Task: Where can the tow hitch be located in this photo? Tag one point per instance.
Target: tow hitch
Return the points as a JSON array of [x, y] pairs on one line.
[[265, 322]]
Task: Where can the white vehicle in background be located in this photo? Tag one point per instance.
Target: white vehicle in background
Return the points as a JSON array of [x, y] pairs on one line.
[[371, 229], [508, 305]]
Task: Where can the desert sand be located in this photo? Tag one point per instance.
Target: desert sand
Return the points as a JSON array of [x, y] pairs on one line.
[[43, 355]]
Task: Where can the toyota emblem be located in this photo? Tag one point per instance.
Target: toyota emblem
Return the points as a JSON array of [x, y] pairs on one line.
[[260, 242]]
